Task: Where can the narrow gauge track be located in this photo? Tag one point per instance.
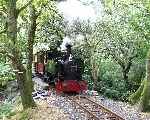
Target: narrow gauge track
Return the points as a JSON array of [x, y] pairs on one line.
[[92, 110]]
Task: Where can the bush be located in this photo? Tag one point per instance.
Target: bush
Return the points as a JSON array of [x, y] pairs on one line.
[[111, 83], [5, 110], [112, 93], [6, 74], [87, 76]]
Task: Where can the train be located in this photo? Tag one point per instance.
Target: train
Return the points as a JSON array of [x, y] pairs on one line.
[[61, 69]]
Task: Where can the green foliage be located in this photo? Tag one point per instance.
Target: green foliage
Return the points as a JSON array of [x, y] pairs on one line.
[[39, 3], [135, 97], [145, 97], [51, 25], [86, 76], [112, 93], [5, 110], [111, 83], [6, 74], [137, 73], [50, 66], [122, 34], [24, 115], [113, 37]]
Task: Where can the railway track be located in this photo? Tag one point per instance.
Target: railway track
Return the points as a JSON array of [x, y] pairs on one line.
[[88, 108], [92, 110]]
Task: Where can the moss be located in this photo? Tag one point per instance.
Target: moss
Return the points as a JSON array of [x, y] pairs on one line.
[[11, 114], [135, 97], [145, 97], [21, 115], [24, 115], [142, 95]]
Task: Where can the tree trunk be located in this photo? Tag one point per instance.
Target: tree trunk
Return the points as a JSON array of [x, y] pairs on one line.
[[24, 84], [143, 93], [145, 98], [25, 90], [94, 71], [135, 97], [31, 36], [125, 77], [125, 71]]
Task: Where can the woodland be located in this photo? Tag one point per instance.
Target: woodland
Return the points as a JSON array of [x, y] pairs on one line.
[[115, 48]]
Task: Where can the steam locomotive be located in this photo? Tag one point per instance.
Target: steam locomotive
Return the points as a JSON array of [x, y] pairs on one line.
[[66, 71]]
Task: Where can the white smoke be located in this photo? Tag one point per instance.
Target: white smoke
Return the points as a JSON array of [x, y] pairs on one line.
[[79, 9], [65, 41], [83, 9]]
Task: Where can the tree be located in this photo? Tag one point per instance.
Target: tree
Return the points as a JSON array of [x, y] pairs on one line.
[[142, 95], [40, 18], [16, 58], [138, 20], [90, 45], [13, 45], [51, 27], [121, 45]]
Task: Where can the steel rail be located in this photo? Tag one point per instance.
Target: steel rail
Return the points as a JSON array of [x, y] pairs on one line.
[[81, 99], [83, 108], [104, 110]]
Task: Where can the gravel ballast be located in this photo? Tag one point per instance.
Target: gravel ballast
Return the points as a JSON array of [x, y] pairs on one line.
[[123, 109]]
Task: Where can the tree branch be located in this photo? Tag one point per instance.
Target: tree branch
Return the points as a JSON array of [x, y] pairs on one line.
[[136, 5], [5, 29], [128, 66], [43, 5], [86, 40], [6, 53], [54, 10], [23, 7], [115, 57], [101, 39], [3, 8], [3, 12]]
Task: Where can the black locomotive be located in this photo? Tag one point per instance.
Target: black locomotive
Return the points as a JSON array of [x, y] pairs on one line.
[[65, 71]]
